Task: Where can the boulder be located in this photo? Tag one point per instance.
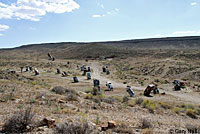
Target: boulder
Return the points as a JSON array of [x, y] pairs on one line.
[[109, 125], [112, 124], [47, 122]]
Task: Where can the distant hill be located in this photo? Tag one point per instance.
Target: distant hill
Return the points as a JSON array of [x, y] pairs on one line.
[[125, 48]]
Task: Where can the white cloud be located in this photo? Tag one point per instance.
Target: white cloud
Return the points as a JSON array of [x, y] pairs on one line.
[[185, 32], [102, 6], [34, 9], [3, 5], [98, 15], [5, 13], [193, 3], [117, 9], [113, 11], [4, 27], [158, 35]]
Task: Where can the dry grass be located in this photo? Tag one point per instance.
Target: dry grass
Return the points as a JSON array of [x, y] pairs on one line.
[[65, 104], [59, 90], [191, 113], [146, 123], [20, 122], [139, 101], [150, 105], [123, 129]]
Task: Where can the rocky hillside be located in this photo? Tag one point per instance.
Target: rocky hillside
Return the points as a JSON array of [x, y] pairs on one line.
[[122, 49]]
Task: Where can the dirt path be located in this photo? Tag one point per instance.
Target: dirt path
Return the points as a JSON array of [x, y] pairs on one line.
[[97, 74], [190, 97]]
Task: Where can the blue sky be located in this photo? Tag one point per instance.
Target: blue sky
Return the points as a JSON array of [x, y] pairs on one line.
[[41, 21]]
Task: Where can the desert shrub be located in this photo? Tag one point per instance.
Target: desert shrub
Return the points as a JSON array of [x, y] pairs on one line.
[[131, 103], [125, 99], [71, 94], [123, 129], [147, 131], [95, 91], [74, 128], [182, 105], [109, 100], [88, 91], [20, 122], [164, 105], [176, 110], [146, 123], [33, 83], [59, 90], [141, 83], [157, 80], [89, 96], [191, 113], [139, 101], [71, 97], [97, 120], [198, 111], [71, 91], [189, 106], [149, 105], [97, 100], [192, 129], [166, 82]]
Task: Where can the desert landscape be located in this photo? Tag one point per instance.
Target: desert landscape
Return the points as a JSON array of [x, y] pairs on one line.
[[52, 103]]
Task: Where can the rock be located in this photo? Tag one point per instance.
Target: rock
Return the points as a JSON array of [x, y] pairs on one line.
[[47, 122], [92, 125], [40, 129], [104, 127], [109, 125], [112, 124], [94, 107], [17, 100], [1, 100], [163, 93], [28, 127], [53, 99], [61, 101], [42, 102]]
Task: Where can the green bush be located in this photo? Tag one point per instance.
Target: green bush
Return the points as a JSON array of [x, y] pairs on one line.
[[149, 105], [176, 110], [189, 106], [191, 113], [164, 105]]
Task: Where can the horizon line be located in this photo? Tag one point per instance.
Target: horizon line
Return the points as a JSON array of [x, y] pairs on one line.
[[98, 41]]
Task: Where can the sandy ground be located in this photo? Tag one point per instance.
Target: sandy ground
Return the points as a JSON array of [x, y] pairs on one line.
[[189, 97], [161, 119]]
